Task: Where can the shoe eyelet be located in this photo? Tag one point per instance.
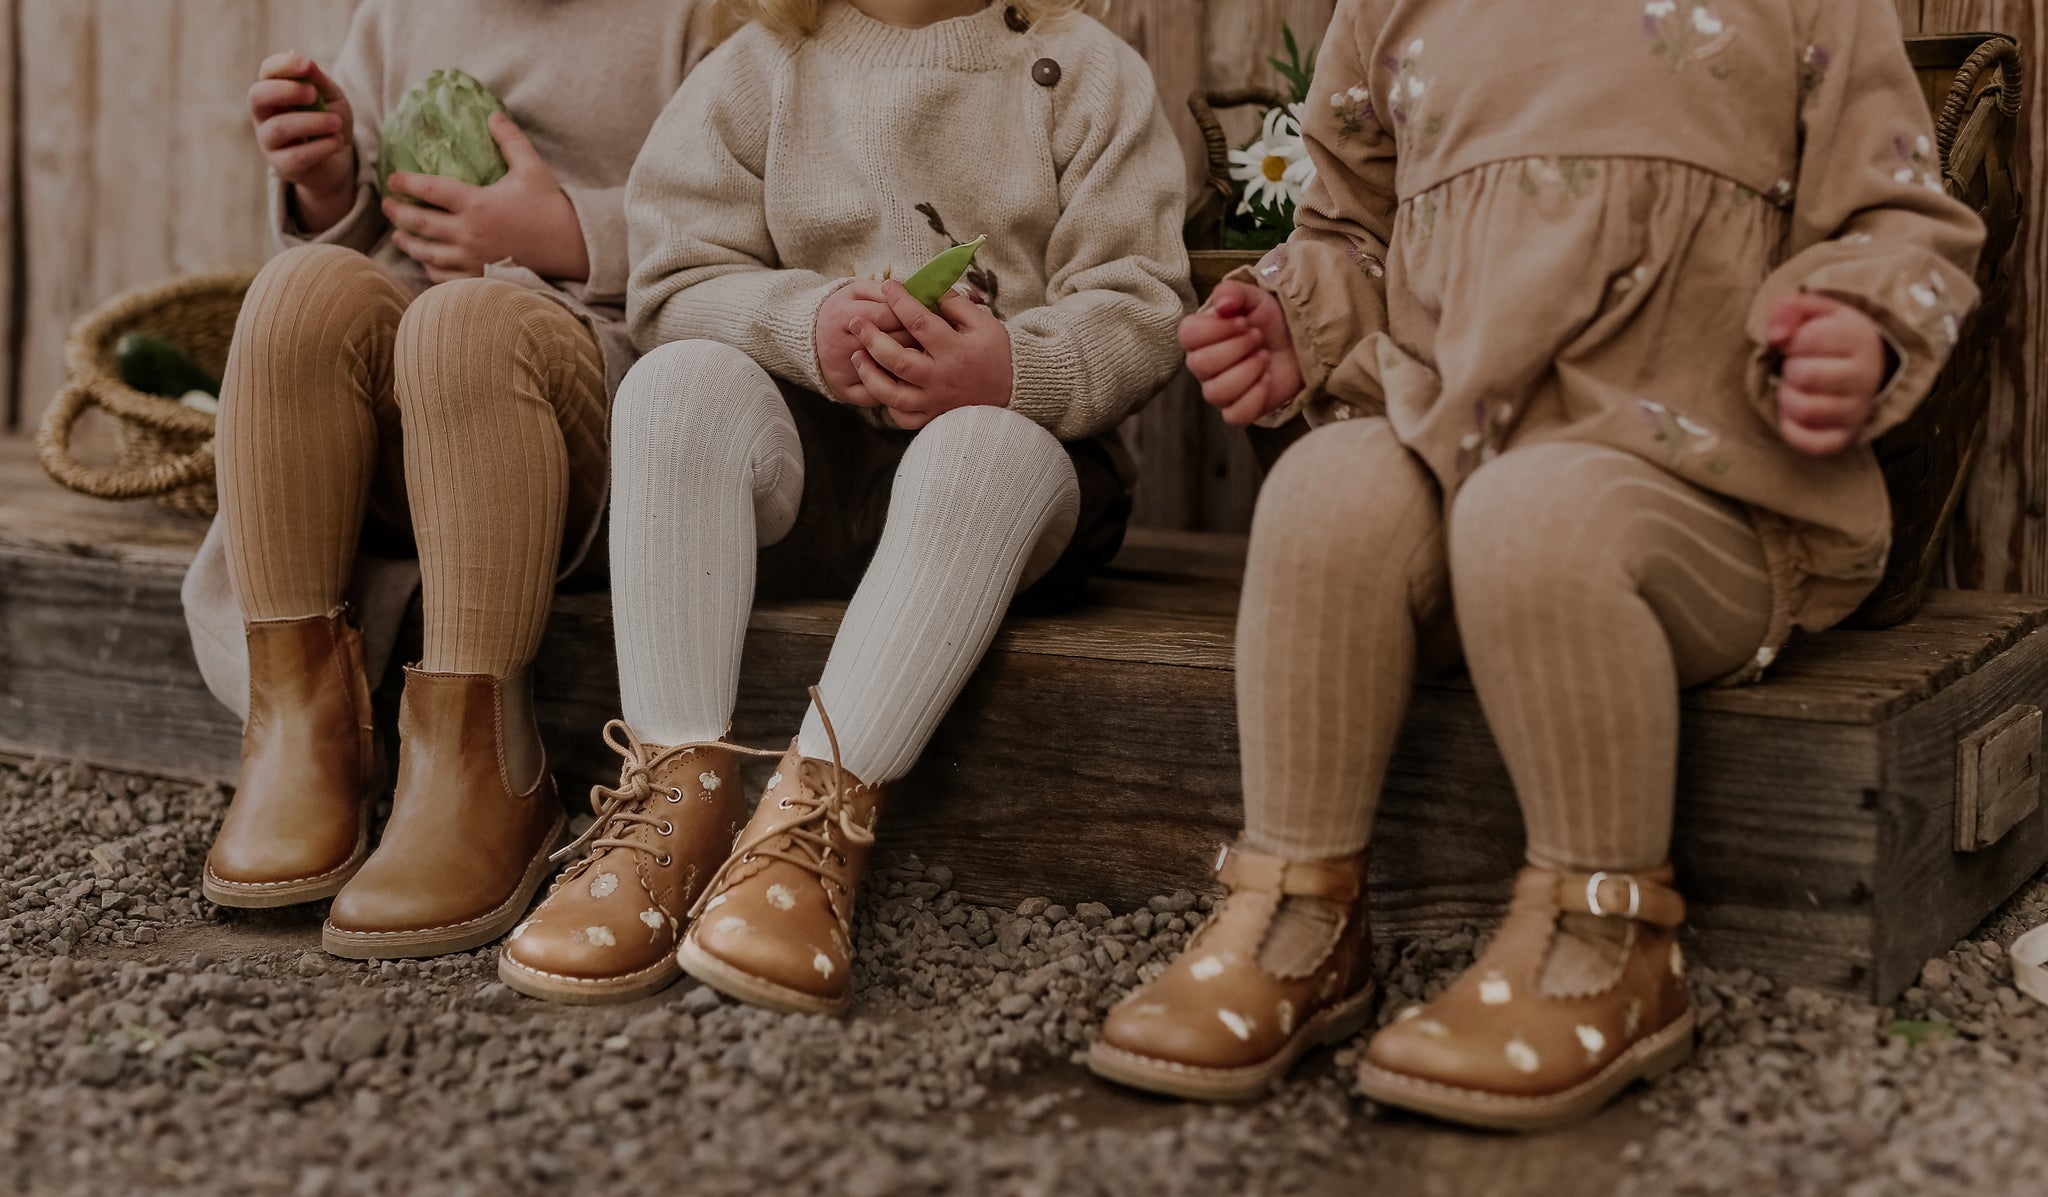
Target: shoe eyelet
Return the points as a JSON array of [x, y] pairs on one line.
[[674, 795], [666, 828], [664, 860]]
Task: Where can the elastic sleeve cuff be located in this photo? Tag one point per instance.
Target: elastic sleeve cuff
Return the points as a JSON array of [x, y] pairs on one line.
[[602, 214], [359, 230]]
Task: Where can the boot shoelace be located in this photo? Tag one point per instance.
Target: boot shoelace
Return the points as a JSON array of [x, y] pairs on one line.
[[621, 808], [809, 827]]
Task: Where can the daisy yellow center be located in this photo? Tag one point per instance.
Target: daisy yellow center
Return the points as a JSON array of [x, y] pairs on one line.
[[1274, 167]]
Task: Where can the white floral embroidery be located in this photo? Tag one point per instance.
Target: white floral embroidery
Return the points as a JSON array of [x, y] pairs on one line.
[[1207, 968], [1495, 991], [1523, 1057], [1632, 1018], [1149, 1009], [1434, 1029], [1695, 36], [775, 781], [710, 781], [601, 936], [780, 898], [653, 918], [731, 924], [1239, 1025], [822, 963], [604, 885], [1410, 1012], [1592, 1040], [714, 904]]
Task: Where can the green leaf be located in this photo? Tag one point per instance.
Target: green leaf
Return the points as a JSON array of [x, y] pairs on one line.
[[1916, 1032]]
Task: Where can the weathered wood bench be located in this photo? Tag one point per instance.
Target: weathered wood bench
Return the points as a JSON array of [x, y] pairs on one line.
[[1838, 824]]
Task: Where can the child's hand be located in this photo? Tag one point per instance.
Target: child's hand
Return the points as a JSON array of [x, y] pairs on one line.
[[462, 228], [958, 356], [861, 301], [1239, 348], [313, 151], [1835, 363]]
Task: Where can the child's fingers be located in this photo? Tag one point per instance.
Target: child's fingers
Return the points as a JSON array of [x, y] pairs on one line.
[[292, 162], [963, 313], [927, 327], [1815, 442], [1204, 329], [434, 255], [1843, 333], [1215, 359], [449, 195], [905, 363], [1246, 411], [518, 148], [430, 223], [1232, 298], [269, 97], [1821, 412], [1836, 376], [887, 389], [1230, 386], [290, 128], [1793, 313], [289, 64], [323, 83]]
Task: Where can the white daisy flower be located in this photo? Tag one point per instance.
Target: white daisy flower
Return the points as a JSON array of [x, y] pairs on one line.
[[1275, 169]]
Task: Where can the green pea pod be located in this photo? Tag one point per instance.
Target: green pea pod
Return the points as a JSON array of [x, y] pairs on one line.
[[929, 285], [319, 103]]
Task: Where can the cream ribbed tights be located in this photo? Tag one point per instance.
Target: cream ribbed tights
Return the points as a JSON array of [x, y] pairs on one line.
[[707, 469], [474, 418], [1590, 588]]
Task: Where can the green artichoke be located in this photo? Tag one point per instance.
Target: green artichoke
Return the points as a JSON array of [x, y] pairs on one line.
[[443, 128]]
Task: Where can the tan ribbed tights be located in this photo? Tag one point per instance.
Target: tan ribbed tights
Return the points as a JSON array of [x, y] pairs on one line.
[[472, 419], [1590, 588]]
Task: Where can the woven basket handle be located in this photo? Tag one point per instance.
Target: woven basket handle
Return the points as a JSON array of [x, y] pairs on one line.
[[2002, 53], [1203, 104], [53, 449]]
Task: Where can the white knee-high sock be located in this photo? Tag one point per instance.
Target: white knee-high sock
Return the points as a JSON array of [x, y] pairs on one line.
[[984, 501], [706, 469]]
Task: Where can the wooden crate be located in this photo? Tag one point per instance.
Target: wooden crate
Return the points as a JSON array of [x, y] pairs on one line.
[[1095, 757]]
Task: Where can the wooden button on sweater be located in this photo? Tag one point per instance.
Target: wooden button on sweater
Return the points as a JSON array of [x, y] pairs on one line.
[[1017, 21], [1046, 72]]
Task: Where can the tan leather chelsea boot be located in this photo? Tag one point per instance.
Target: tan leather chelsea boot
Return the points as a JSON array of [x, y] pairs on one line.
[[298, 827], [472, 823]]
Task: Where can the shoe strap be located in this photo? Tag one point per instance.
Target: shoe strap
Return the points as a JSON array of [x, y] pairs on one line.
[[1645, 897], [1243, 869]]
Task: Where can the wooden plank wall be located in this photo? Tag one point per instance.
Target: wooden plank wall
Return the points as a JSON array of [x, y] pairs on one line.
[[129, 159], [135, 156], [2003, 538]]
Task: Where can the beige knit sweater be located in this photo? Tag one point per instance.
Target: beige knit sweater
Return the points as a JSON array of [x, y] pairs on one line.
[[783, 167], [585, 79]]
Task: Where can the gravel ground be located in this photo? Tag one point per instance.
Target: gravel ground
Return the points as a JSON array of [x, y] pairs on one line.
[[151, 1043]]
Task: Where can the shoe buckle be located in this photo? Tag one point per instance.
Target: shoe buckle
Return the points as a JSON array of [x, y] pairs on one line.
[[1635, 895]]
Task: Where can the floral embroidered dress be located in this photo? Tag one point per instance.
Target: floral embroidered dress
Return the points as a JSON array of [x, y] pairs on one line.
[[1568, 219]]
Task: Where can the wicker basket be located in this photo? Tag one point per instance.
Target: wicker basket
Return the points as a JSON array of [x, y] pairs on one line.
[[166, 448], [1206, 216]]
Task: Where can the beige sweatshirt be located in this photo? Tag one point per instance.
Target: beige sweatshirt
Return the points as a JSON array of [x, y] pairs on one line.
[[782, 168], [585, 79]]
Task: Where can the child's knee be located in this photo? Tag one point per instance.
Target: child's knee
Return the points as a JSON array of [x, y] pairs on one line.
[[690, 384], [310, 304], [1000, 448], [1526, 528], [1351, 482]]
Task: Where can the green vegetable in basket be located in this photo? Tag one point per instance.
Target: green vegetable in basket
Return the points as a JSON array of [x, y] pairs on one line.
[[154, 366], [930, 284], [442, 127]]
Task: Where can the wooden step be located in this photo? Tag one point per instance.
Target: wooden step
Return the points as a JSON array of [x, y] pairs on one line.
[[1094, 756]]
